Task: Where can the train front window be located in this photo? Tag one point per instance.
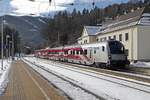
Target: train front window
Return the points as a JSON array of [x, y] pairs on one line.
[[116, 47]]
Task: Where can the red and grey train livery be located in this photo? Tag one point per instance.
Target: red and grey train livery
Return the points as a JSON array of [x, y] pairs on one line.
[[109, 53]]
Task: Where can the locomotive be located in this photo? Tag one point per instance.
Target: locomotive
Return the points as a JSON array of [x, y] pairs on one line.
[[103, 54]]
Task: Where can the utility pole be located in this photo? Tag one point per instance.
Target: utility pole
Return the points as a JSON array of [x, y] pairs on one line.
[[10, 42], [2, 41]]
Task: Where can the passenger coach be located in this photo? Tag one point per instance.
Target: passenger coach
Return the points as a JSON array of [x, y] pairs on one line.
[[104, 54]]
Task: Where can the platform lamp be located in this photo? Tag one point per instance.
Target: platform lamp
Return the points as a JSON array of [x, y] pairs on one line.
[[7, 46], [10, 46]]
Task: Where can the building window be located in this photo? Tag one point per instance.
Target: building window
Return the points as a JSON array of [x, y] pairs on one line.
[[103, 48], [85, 41], [126, 36], [114, 37], [101, 39], [120, 37], [97, 39], [109, 37]]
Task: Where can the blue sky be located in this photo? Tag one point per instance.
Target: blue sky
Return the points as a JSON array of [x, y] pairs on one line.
[[81, 4]]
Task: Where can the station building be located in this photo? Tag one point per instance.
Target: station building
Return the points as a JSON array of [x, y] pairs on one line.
[[132, 29], [88, 35]]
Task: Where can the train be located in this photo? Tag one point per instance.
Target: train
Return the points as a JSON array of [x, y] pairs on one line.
[[109, 53]]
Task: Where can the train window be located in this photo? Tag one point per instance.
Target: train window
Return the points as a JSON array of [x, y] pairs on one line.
[[116, 47], [73, 52], [66, 52], [77, 52], [94, 51], [85, 52], [81, 52], [103, 48]]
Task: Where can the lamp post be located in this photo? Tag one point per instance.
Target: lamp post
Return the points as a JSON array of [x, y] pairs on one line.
[[7, 45], [10, 43], [11, 47], [2, 43]]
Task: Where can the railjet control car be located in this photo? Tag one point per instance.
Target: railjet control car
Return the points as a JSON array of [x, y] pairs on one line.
[[103, 54]]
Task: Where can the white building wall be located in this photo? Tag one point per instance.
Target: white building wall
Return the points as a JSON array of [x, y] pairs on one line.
[[134, 43], [144, 42]]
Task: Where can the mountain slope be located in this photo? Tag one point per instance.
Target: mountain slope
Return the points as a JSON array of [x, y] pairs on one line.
[[28, 27]]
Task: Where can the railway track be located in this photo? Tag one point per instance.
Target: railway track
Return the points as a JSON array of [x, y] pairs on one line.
[[135, 73], [139, 70], [72, 69], [125, 80], [70, 81]]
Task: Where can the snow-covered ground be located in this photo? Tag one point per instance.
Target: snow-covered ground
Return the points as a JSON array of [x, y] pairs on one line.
[[73, 91], [141, 64], [104, 86], [4, 75]]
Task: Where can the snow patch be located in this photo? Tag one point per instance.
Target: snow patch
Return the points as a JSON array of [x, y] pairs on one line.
[[141, 64], [4, 76]]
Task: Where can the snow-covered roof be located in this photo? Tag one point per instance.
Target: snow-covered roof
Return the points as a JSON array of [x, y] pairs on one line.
[[92, 30], [123, 21]]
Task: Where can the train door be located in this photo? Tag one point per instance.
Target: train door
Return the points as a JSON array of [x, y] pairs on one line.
[[96, 54], [103, 54], [90, 55]]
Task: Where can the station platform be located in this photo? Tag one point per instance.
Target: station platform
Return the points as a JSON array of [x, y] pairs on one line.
[[26, 84]]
